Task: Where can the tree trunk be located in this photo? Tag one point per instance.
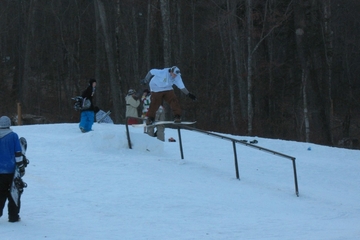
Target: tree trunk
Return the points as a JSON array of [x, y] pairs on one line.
[[238, 59], [250, 110], [300, 25], [328, 42], [109, 49], [165, 16], [29, 34]]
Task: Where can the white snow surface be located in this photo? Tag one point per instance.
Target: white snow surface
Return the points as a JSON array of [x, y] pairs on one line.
[[93, 186]]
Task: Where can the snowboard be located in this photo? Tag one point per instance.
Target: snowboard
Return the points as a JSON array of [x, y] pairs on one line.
[[81, 103], [103, 117], [78, 103], [18, 185], [162, 122]]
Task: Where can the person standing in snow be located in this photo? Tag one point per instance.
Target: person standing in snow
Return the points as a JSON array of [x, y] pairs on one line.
[[161, 83], [87, 112], [145, 100], [10, 155], [132, 104], [160, 116]]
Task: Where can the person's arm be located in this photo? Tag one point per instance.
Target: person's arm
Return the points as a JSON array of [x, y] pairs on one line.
[[134, 102], [188, 94], [147, 78], [180, 84]]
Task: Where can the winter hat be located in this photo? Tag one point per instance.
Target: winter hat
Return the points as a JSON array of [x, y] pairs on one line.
[[91, 81], [131, 91], [175, 70], [5, 122]]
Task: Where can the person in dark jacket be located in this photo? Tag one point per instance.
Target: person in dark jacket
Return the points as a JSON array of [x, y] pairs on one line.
[[87, 112], [10, 156]]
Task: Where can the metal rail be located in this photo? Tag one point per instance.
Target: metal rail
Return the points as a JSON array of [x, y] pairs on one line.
[[233, 140]]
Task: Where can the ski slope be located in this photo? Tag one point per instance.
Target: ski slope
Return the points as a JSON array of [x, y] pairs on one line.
[[92, 186]]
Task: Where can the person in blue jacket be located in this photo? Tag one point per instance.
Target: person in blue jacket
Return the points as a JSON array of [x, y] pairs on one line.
[[10, 155], [87, 111]]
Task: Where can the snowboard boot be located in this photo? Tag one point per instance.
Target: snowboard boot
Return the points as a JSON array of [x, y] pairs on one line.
[[14, 219], [177, 119]]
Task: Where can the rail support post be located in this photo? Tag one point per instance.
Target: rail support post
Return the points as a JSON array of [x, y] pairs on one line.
[[236, 161]]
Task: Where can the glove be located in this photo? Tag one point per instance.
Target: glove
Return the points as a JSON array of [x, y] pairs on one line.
[[192, 96], [21, 167]]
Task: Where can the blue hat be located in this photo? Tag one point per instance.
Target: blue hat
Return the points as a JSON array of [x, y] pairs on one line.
[[5, 122]]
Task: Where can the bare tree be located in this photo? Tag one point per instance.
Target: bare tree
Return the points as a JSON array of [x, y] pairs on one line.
[[328, 44], [250, 110], [165, 16], [109, 49], [300, 25]]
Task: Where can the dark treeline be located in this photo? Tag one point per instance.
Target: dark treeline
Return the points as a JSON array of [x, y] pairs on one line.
[[272, 68]]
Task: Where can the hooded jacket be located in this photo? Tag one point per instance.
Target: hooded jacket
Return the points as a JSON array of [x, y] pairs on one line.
[[9, 145], [162, 80], [131, 106]]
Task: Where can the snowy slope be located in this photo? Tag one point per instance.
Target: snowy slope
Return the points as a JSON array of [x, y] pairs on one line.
[[92, 186]]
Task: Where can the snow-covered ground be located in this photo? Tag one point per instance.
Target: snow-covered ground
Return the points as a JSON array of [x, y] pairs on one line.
[[92, 186]]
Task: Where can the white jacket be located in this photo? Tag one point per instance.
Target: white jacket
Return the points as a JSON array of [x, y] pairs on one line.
[[162, 80]]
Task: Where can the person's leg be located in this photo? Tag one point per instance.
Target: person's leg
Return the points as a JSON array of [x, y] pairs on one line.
[[13, 209], [90, 122], [156, 100], [5, 185], [4, 189], [160, 116], [82, 123], [172, 100], [87, 120]]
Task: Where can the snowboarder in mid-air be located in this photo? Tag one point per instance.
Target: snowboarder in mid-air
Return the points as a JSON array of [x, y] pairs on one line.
[[161, 83]]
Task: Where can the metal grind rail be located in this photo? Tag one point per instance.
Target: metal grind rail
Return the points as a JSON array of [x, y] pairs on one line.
[[234, 141]]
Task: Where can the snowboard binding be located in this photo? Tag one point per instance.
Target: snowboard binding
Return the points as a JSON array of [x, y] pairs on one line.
[[20, 184]]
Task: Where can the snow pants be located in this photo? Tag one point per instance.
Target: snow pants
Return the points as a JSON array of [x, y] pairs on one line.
[[167, 96], [86, 120], [5, 184]]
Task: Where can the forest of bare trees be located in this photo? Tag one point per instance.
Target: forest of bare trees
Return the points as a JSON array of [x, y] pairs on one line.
[[284, 69]]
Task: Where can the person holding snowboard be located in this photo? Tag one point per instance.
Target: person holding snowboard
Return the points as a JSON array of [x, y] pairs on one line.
[[161, 83], [87, 111], [10, 155]]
